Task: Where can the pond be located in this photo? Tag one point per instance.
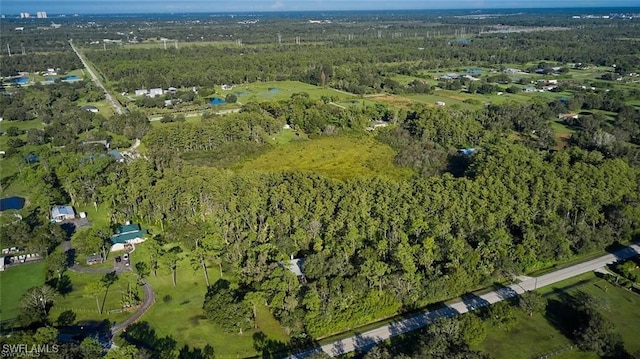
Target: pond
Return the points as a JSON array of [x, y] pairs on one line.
[[11, 203], [217, 101], [21, 80], [274, 90]]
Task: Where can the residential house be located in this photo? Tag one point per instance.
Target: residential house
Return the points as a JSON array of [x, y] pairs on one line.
[[130, 233], [142, 92], [568, 116], [467, 151], [94, 259], [294, 266], [62, 213], [90, 108], [155, 92]]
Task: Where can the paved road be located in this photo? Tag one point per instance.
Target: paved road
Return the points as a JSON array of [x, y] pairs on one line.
[[149, 299], [113, 102], [368, 339]]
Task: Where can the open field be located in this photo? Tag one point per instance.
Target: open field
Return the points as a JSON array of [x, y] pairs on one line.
[[86, 307], [14, 282], [336, 157], [178, 311], [535, 336], [280, 90], [562, 133]]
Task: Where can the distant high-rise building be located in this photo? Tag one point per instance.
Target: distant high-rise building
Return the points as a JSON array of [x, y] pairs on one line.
[[42, 15], [25, 15]]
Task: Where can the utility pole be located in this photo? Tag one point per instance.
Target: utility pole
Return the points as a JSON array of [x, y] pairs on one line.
[[9, 50]]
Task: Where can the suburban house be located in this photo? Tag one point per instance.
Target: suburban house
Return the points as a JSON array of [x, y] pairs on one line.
[[155, 92], [293, 266], [529, 89], [90, 108], [141, 92], [568, 116], [62, 213], [467, 151], [128, 233], [94, 259]]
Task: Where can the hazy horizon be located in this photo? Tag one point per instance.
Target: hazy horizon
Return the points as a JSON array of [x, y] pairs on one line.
[[13, 7]]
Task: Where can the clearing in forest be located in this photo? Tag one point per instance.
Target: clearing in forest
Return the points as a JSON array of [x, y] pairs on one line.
[[337, 157]]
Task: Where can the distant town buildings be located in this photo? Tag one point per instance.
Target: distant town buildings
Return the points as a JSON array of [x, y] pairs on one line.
[[39, 15]]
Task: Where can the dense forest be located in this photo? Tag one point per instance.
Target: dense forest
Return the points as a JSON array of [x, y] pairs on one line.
[[359, 66], [520, 199]]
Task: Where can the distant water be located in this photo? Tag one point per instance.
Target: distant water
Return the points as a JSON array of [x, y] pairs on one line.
[[198, 9]]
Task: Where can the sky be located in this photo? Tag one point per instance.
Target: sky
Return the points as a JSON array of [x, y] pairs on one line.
[[168, 6]]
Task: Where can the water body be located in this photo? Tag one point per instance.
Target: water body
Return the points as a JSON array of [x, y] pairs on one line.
[[217, 101], [11, 203]]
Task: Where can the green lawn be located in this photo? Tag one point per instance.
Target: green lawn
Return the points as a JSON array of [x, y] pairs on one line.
[[86, 307], [279, 90], [14, 282], [178, 312], [535, 336], [338, 157]]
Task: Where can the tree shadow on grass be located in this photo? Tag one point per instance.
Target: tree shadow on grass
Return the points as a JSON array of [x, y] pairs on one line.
[[561, 313], [63, 284]]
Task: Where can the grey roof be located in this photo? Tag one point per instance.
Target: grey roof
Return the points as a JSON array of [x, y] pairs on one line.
[[58, 211], [294, 266]]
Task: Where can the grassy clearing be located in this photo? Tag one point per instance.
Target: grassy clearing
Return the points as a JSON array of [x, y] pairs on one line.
[[85, 307], [336, 157], [280, 90], [14, 282], [227, 155], [562, 133], [178, 312]]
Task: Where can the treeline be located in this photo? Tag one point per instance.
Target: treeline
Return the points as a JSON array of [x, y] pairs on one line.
[[360, 68], [65, 60]]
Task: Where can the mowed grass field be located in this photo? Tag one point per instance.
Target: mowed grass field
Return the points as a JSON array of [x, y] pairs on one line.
[[85, 307], [534, 336], [178, 311], [336, 157], [14, 282], [280, 90]]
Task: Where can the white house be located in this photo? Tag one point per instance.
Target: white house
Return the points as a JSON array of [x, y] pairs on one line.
[[440, 103], [141, 92], [155, 92], [62, 213]]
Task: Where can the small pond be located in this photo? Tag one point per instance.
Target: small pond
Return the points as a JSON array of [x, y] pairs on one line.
[[11, 203]]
